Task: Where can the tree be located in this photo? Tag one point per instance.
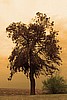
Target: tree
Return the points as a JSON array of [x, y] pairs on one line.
[[54, 84], [35, 52]]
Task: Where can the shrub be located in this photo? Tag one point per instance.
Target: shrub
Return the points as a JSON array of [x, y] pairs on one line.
[[54, 85]]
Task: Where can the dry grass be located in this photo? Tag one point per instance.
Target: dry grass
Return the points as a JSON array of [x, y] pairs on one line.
[[13, 91], [19, 94], [36, 97]]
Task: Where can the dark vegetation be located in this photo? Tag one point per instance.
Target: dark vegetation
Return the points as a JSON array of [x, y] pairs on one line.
[[36, 48], [54, 85]]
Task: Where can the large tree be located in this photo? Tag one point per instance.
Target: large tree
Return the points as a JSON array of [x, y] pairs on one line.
[[36, 51]]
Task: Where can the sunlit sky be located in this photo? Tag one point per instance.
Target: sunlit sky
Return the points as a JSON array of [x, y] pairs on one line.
[[25, 10]]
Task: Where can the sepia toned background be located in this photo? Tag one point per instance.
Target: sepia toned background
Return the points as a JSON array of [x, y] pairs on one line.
[[25, 10]]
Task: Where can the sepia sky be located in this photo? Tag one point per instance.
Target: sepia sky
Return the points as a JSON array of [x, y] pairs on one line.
[[25, 10]]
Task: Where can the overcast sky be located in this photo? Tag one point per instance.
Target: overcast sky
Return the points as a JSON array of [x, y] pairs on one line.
[[25, 10]]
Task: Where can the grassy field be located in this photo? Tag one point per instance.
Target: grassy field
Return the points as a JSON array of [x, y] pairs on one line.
[[20, 94], [36, 97]]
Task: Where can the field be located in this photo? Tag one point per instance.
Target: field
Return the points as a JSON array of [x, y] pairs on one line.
[[20, 94], [36, 97]]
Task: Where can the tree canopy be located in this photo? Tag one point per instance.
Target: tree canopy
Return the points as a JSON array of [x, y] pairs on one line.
[[36, 45]]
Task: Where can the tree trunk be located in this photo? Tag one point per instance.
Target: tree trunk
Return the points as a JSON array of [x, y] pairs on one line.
[[32, 85], [32, 79]]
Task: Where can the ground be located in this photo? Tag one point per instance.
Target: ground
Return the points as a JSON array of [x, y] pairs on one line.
[[36, 97], [20, 94]]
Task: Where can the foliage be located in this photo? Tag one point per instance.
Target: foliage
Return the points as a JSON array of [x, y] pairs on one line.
[[34, 47], [54, 85]]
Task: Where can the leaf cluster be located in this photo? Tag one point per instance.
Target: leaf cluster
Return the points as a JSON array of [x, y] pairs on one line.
[[34, 47]]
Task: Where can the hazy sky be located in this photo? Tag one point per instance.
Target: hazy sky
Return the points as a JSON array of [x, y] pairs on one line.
[[25, 10]]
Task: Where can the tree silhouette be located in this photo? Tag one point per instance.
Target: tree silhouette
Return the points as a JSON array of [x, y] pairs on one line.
[[36, 51]]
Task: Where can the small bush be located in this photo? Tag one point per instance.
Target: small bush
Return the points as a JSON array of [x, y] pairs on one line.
[[54, 85]]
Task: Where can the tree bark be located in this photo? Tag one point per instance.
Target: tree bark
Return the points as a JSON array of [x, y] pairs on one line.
[[32, 84], [32, 79]]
